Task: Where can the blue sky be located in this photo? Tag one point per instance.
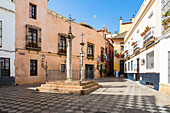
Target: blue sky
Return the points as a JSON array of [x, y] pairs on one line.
[[108, 12]]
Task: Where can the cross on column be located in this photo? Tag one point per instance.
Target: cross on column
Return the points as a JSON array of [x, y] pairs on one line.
[[70, 37], [69, 21]]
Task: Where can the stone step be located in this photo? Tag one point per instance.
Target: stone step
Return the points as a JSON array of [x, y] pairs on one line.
[[70, 83], [67, 90], [69, 86]]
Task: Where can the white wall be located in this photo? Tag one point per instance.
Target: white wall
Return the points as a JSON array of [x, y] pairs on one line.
[[134, 35], [164, 49], [7, 16]]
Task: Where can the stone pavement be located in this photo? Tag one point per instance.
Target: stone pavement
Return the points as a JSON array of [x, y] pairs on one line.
[[118, 95]]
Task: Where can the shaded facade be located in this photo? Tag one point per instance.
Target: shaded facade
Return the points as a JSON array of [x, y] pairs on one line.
[[42, 31], [7, 42], [109, 51]]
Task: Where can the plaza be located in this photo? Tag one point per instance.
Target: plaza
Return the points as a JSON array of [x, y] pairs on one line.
[[118, 95]]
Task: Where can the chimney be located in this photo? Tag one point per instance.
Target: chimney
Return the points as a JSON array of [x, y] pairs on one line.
[[133, 18], [120, 20]]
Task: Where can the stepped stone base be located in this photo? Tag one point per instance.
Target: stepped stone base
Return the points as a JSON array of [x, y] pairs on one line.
[[69, 87]]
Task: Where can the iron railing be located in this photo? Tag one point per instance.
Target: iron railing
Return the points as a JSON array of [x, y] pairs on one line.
[[148, 37]]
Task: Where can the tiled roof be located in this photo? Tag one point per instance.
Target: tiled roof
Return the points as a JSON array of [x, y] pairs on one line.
[[122, 35]]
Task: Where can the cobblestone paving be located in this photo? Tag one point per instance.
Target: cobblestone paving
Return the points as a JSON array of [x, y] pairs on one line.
[[116, 96]]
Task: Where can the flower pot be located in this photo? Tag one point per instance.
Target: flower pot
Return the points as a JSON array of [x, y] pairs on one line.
[[165, 27]]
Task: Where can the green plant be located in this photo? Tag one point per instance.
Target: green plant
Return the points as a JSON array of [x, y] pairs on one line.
[[165, 21], [101, 70], [105, 71], [168, 13], [87, 26]]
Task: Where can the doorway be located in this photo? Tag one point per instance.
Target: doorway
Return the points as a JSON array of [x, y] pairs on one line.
[[5, 67], [89, 72], [138, 75], [121, 66]]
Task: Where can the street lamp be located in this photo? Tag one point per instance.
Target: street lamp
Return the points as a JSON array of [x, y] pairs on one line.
[[45, 67]]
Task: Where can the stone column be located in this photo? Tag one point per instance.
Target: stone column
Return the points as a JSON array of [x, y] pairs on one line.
[[69, 50], [82, 59], [69, 56]]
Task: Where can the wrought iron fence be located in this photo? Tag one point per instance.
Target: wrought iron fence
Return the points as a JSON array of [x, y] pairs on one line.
[[53, 75]]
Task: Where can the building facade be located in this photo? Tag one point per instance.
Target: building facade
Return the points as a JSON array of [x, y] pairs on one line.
[[142, 48], [109, 52], [118, 42], [42, 31], [164, 49], [7, 42]]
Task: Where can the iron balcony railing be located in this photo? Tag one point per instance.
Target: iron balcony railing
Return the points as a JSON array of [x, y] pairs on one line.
[[148, 37], [136, 47], [33, 45], [62, 49]]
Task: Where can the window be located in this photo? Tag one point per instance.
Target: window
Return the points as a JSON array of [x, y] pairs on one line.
[[125, 67], [5, 67], [62, 45], [150, 60], [128, 66], [0, 33], [62, 67], [33, 67], [122, 49], [131, 65], [32, 38], [90, 51], [32, 11]]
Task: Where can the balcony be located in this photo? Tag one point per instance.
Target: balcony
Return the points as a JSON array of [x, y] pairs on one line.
[[149, 37], [136, 48], [62, 50], [33, 46], [92, 57]]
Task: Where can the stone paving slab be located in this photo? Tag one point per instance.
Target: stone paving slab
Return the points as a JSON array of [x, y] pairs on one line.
[[117, 95]]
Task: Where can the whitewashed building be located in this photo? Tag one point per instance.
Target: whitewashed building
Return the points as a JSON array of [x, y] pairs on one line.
[[165, 47], [7, 42], [142, 47]]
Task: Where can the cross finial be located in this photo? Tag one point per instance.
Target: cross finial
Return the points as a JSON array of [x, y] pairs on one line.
[[70, 20]]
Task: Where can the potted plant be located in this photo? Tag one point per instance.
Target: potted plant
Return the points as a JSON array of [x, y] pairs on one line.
[[28, 44], [105, 71], [147, 28], [143, 33], [168, 13], [91, 57], [133, 43], [165, 23], [126, 51]]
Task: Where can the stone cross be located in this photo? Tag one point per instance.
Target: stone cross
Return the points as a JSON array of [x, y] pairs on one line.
[[70, 20], [70, 37]]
